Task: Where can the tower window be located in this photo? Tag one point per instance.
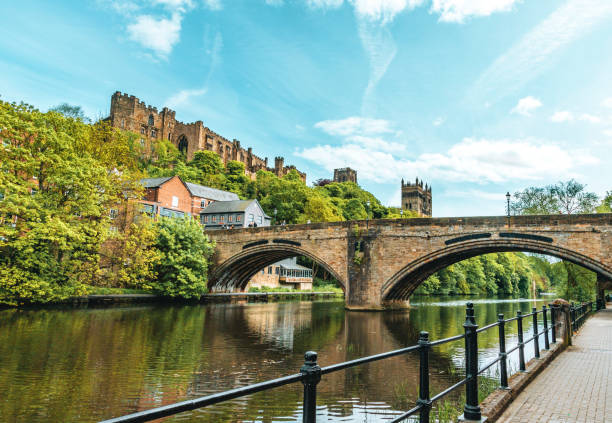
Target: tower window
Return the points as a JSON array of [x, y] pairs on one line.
[[183, 144], [151, 120]]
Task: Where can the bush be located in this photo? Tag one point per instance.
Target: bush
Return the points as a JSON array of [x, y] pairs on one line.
[[182, 270]]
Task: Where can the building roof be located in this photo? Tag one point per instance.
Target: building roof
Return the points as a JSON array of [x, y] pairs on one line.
[[227, 206], [291, 263], [154, 182], [235, 206], [211, 193]]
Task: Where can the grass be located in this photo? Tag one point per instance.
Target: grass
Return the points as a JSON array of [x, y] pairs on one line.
[[102, 290]]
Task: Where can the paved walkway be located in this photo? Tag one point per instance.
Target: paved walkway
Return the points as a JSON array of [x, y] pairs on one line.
[[577, 385]]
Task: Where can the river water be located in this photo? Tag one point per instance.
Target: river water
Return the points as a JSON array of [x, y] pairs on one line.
[[89, 364]]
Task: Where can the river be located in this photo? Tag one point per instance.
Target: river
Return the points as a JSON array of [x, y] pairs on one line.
[[88, 364]]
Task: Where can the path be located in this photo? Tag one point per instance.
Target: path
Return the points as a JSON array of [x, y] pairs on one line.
[[577, 385]]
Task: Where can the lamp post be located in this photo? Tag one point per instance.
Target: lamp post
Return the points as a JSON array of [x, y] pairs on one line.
[[275, 211], [401, 213], [508, 202], [367, 213]]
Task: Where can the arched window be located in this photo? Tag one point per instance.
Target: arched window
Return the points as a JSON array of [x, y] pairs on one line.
[[183, 144], [151, 120]]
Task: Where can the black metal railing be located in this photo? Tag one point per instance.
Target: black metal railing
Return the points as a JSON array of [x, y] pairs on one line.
[[310, 373], [579, 314]]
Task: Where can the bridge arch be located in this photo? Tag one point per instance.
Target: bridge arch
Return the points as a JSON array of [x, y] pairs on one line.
[[404, 282], [234, 273]]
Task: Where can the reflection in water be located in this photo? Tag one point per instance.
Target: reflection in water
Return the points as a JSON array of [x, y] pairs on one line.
[[73, 365]]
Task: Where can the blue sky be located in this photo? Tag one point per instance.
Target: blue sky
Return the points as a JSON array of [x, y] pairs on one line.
[[476, 97]]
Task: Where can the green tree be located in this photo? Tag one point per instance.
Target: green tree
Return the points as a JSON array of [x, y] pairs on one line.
[[182, 270], [54, 207], [68, 110], [606, 204]]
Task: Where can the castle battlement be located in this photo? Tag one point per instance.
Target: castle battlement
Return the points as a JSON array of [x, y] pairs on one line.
[[130, 113], [416, 197]]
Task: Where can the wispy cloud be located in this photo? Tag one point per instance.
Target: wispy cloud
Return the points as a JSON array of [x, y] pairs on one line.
[[475, 193], [323, 4], [607, 102], [157, 34], [526, 105], [355, 125], [586, 117], [460, 10], [439, 121], [184, 96], [213, 4], [562, 116], [533, 54]]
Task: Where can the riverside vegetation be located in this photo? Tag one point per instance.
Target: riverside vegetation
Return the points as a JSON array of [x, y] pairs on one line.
[[61, 174]]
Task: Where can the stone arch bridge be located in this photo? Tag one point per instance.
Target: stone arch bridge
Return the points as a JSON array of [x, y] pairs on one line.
[[381, 262]]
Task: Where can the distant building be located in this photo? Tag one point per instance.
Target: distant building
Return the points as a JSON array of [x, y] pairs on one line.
[[345, 174], [416, 198], [283, 274], [236, 214]]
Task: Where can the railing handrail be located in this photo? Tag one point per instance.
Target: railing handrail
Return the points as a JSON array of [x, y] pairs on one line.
[[310, 373]]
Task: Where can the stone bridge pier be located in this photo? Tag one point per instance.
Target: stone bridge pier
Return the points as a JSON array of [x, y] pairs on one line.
[[380, 263]]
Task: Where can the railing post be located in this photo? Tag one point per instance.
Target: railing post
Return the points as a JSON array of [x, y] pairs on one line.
[[312, 373], [424, 400], [503, 369], [553, 326], [536, 341], [471, 410], [519, 324], [546, 344]]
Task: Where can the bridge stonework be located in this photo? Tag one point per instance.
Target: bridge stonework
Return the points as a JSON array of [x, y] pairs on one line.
[[380, 263]]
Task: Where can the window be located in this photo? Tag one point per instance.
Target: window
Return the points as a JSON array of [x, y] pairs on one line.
[[183, 144], [259, 219], [168, 136], [151, 120], [203, 204], [148, 209], [142, 142], [251, 218], [238, 218], [204, 219], [123, 123], [175, 201], [213, 218], [142, 130], [170, 213], [230, 218], [221, 218], [276, 270], [269, 270], [113, 213], [154, 133]]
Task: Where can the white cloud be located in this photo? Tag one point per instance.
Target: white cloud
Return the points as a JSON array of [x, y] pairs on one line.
[[471, 160], [460, 10], [607, 132], [323, 4], [526, 105], [494, 196], [183, 96], [589, 118], [159, 35], [178, 5], [213, 4], [607, 102], [562, 116], [383, 11], [533, 54], [355, 125], [439, 121]]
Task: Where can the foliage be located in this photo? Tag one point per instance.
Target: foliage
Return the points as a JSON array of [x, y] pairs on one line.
[[182, 270], [56, 192], [606, 204], [497, 273], [70, 111], [562, 198]]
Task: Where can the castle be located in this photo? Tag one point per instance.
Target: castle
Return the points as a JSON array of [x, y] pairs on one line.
[[129, 113], [345, 174], [416, 198]]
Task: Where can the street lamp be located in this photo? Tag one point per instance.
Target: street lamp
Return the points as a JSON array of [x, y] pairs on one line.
[[367, 213], [401, 213], [508, 202], [275, 211]]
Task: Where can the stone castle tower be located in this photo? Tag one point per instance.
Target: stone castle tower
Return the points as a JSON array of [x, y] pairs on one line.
[[416, 197], [345, 175], [129, 113]]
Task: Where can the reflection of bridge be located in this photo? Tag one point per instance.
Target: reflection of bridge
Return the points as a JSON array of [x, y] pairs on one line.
[[380, 263]]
